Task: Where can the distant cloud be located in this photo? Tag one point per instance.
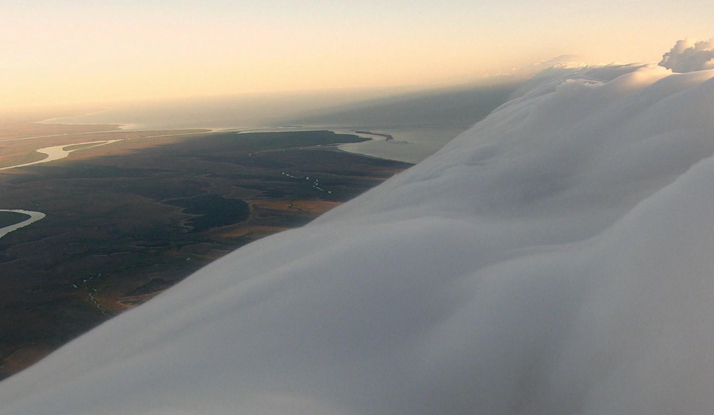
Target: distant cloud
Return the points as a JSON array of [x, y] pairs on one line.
[[688, 57], [562, 61]]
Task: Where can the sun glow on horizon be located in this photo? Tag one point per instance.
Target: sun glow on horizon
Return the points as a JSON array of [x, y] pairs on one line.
[[83, 52]]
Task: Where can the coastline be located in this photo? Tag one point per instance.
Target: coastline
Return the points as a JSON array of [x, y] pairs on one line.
[[380, 144], [377, 144]]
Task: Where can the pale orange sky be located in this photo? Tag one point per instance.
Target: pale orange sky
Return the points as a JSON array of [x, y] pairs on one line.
[[80, 51]]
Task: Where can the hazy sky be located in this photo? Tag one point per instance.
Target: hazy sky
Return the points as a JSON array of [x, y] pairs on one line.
[[82, 50]]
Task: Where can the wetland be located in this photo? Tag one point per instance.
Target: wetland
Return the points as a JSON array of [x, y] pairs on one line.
[[128, 220]]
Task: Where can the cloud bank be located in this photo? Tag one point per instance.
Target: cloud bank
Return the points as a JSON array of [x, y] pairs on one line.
[[556, 258], [686, 56]]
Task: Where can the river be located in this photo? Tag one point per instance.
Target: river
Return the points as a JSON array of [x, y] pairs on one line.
[[59, 152], [34, 217]]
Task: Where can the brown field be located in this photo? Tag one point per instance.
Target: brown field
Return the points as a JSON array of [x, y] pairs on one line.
[[127, 220]]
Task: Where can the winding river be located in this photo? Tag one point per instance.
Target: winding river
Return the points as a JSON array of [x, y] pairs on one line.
[[34, 217], [60, 152]]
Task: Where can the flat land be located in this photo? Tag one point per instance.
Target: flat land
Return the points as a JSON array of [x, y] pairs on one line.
[[20, 148], [128, 220], [12, 218]]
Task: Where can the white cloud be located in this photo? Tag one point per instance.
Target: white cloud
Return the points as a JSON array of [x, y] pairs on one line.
[[559, 62], [688, 57], [556, 258]]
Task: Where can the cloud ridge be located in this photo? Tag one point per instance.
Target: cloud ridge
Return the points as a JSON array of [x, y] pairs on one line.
[[555, 258]]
